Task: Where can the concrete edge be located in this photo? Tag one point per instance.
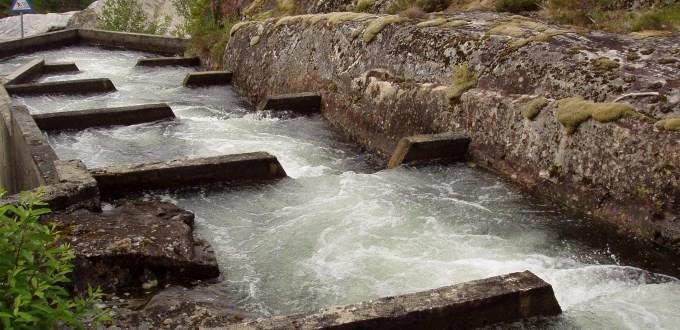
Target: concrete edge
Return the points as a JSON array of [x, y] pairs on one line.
[[6, 157], [82, 86], [26, 72], [169, 61], [430, 147], [473, 304], [33, 155], [38, 42], [119, 180], [51, 68], [303, 103], [207, 78], [82, 119]]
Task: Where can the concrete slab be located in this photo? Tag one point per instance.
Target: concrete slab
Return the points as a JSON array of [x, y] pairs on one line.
[[50, 68], [468, 305], [300, 103], [84, 86], [32, 156], [421, 148], [26, 72], [82, 119], [169, 61], [206, 78], [118, 180]]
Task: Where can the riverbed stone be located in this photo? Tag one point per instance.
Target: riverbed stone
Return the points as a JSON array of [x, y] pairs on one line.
[[134, 242]]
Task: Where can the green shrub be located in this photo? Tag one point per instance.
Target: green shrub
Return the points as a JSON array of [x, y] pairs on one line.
[[34, 270], [665, 18], [128, 16], [516, 6], [364, 6], [209, 35]]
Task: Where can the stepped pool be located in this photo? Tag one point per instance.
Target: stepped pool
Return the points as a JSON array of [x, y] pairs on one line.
[[341, 229]]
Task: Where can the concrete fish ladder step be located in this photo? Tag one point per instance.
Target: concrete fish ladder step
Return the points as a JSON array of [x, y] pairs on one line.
[[468, 305], [118, 180], [424, 148], [303, 103], [83, 119], [84, 86], [207, 78], [169, 61], [37, 67]]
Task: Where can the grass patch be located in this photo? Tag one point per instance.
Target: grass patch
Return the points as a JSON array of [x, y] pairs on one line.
[[671, 124], [428, 6], [364, 6], [432, 23], [516, 6], [604, 64], [532, 108], [463, 79], [574, 111], [379, 24]]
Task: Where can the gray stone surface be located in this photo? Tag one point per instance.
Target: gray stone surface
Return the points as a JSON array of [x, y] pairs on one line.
[[82, 119], [429, 147], [207, 78], [303, 103], [26, 72], [169, 61], [6, 153], [468, 305], [83, 86], [118, 180], [32, 156], [624, 172]]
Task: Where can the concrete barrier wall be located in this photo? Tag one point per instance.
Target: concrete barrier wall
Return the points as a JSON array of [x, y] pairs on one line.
[[38, 42], [33, 158], [6, 168], [134, 41]]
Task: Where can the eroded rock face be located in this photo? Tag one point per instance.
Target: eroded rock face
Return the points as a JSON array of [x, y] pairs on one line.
[[380, 89], [135, 244]]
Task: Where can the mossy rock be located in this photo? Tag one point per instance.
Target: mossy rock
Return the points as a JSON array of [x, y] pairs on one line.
[[604, 64], [378, 24], [573, 111], [532, 108], [463, 79], [671, 124]]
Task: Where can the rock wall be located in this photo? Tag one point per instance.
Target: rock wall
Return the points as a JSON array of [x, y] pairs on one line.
[[154, 9], [10, 27], [396, 84]]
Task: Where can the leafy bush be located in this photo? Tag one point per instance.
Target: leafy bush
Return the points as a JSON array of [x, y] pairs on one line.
[[34, 269], [209, 33], [516, 6], [128, 16], [666, 18]]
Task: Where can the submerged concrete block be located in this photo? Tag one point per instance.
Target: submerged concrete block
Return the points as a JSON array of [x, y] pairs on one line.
[[50, 68], [119, 180], [82, 119], [299, 102], [26, 72], [169, 61], [445, 146], [206, 78], [468, 305], [84, 86]]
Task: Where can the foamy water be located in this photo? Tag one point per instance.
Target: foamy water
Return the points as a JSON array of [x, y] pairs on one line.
[[342, 231]]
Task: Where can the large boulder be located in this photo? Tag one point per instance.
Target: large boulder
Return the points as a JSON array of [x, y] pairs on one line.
[[135, 245]]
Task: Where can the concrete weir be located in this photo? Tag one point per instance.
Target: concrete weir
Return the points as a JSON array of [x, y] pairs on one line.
[[117, 180], [303, 103], [36, 68], [84, 86], [468, 305], [169, 61], [82, 119], [207, 78], [421, 148]]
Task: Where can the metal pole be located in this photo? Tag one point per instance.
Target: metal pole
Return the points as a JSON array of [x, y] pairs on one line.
[[22, 24]]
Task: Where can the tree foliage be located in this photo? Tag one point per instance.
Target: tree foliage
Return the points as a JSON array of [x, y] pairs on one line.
[[34, 271], [128, 16]]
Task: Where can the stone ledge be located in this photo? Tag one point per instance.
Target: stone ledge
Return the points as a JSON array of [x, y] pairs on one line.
[[207, 78], [83, 86], [82, 119], [422, 148], [118, 180], [474, 304], [169, 61], [26, 72], [50, 68], [303, 103]]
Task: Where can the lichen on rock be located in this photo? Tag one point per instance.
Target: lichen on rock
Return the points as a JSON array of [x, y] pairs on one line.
[[378, 24], [604, 64], [532, 108], [574, 111], [463, 79]]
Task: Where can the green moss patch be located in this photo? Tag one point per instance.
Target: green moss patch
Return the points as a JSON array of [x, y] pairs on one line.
[[532, 108], [671, 124], [463, 79], [573, 111], [378, 24], [604, 64]]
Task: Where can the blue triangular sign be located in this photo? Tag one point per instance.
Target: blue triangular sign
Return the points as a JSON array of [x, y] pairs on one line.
[[20, 6]]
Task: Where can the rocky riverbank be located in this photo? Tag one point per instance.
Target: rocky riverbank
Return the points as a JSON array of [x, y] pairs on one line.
[[535, 99]]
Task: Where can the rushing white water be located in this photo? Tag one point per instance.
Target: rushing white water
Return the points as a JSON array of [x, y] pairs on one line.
[[339, 231]]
